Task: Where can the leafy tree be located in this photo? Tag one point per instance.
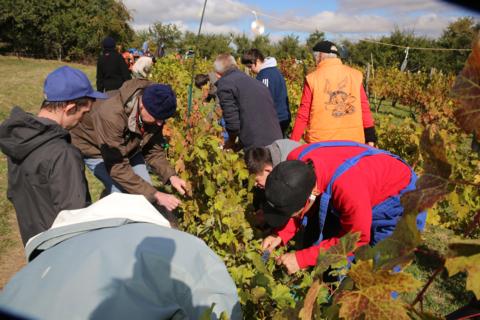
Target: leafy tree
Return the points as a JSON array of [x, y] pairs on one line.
[[288, 47], [62, 28], [169, 34], [458, 34], [262, 43], [241, 42], [314, 38]]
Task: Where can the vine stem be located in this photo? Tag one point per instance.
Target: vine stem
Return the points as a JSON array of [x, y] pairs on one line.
[[422, 292]]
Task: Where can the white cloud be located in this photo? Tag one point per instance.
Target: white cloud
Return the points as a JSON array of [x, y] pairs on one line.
[[394, 7], [217, 11], [354, 17]]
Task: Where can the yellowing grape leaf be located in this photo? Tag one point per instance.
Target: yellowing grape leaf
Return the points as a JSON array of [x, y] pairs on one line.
[[364, 276], [372, 299], [336, 256], [433, 184], [471, 265], [466, 92]]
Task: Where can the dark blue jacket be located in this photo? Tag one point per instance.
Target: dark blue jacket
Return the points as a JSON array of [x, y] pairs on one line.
[[273, 79], [248, 109]]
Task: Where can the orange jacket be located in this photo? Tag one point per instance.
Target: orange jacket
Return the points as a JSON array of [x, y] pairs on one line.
[[336, 112]]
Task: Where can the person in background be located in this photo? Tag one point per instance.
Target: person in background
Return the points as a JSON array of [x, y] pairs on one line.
[[247, 107], [124, 134], [268, 73], [334, 105], [129, 60], [45, 172], [209, 94], [260, 162], [356, 188], [142, 67], [112, 71]]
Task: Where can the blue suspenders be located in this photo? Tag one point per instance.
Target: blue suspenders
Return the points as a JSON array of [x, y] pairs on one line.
[[347, 164]]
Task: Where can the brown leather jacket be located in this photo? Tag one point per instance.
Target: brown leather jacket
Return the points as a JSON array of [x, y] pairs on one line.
[[110, 130]]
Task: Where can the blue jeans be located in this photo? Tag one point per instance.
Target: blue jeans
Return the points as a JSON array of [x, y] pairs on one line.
[[97, 167]]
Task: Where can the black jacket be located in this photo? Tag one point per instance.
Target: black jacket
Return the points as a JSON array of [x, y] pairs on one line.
[[248, 109], [45, 172], [112, 71]]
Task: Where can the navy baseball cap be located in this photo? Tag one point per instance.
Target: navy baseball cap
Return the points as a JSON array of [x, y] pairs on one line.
[[66, 84]]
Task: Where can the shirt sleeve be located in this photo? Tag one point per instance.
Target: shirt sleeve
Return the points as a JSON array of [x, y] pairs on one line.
[[155, 156], [303, 113], [230, 109], [289, 230], [366, 112]]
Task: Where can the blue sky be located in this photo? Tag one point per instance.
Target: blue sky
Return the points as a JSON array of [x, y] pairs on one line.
[[340, 19]]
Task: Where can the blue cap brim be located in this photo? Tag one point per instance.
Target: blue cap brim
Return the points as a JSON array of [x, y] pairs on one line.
[[97, 95]]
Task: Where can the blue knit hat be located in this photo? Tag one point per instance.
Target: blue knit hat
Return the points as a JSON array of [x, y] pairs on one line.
[[160, 101]]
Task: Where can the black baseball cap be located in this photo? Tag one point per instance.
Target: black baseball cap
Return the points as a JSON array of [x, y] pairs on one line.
[[287, 190], [325, 46]]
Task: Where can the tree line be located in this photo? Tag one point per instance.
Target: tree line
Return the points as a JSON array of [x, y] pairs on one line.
[[73, 30]]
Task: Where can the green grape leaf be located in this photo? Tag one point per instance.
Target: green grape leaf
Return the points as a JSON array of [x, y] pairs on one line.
[[336, 256], [281, 294], [372, 299], [471, 265], [466, 92]]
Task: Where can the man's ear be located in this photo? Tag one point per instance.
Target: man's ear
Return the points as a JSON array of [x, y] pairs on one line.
[[70, 108]]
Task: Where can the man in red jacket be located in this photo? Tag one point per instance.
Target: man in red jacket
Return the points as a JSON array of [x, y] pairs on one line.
[[360, 190]]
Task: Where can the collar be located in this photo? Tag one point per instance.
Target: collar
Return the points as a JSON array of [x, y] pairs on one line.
[[330, 62]]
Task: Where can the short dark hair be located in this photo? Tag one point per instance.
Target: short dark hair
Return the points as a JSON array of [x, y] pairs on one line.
[[257, 158], [250, 57], [201, 80], [54, 105]]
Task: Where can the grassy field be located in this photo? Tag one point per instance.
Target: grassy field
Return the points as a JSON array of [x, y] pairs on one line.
[[22, 86]]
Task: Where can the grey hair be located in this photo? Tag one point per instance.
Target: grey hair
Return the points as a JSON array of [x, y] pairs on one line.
[[224, 62], [316, 55]]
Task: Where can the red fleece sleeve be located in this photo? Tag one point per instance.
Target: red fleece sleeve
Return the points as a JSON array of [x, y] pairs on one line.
[[303, 113], [366, 113], [288, 231], [352, 201]]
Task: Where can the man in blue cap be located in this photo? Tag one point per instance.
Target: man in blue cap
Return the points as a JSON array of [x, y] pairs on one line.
[[45, 172], [124, 134]]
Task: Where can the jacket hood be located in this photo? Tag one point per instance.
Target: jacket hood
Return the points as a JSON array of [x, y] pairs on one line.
[[23, 132], [269, 62], [129, 88]]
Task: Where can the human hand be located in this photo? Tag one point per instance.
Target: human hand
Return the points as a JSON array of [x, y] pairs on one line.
[[178, 184], [371, 144], [289, 260], [169, 201], [271, 242]]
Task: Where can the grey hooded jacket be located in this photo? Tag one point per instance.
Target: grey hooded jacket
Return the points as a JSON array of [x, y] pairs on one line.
[[45, 172]]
